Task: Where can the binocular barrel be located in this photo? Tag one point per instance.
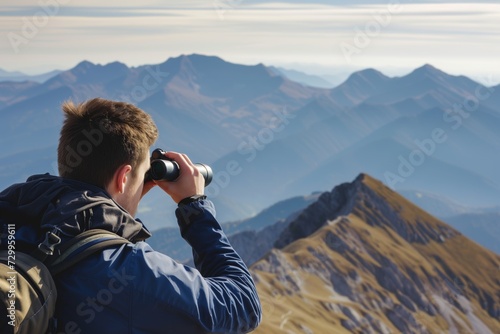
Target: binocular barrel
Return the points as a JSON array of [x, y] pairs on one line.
[[168, 170]]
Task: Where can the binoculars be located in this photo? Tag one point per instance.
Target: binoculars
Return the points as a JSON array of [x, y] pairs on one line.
[[163, 168]]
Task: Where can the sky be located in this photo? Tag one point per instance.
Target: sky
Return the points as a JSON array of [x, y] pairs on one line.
[[329, 38]]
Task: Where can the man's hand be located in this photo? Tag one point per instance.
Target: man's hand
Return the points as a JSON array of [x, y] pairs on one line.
[[189, 183]]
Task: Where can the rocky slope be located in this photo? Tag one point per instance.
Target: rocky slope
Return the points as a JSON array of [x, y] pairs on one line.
[[362, 259]]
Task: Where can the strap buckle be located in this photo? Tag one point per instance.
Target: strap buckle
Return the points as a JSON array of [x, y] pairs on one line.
[[50, 242]]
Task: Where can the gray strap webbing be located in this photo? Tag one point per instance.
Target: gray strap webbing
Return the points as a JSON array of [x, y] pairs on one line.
[[82, 246]]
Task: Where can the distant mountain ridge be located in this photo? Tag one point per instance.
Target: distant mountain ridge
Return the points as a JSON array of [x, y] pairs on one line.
[[306, 79], [283, 138], [363, 259], [21, 77]]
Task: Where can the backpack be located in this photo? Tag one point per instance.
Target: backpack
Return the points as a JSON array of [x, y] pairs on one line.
[[27, 289]]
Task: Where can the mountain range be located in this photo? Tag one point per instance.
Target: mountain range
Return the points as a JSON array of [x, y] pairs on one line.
[[360, 258], [269, 138], [363, 259]]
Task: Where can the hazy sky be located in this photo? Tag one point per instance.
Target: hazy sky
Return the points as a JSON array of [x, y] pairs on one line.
[[323, 37]]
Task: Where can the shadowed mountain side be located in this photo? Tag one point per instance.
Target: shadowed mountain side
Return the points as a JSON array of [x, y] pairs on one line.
[[363, 259]]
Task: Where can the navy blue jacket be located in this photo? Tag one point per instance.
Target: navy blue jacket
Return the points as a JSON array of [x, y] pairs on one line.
[[132, 288]]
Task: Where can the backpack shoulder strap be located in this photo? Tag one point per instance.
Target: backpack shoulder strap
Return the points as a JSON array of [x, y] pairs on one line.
[[82, 246]]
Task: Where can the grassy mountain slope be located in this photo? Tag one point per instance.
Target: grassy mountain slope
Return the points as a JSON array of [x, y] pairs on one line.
[[365, 260]]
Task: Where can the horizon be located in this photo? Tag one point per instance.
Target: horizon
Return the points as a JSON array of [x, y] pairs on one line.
[[315, 37], [488, 81]]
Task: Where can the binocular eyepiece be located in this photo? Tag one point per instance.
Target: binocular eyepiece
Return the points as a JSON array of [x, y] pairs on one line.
[[164, 169]]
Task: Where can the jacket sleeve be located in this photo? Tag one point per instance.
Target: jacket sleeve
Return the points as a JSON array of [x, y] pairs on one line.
[[220, 295]]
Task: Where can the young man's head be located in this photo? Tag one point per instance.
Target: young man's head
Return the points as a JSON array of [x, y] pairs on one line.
[[99, 138]]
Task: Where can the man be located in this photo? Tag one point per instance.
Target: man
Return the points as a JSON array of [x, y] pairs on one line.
[[103, 155]]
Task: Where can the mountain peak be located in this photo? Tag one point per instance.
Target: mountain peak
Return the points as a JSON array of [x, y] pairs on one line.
[[87, 72], [210, 77], [84, 65], [367, 76], [364, 178], [329, 206], [379, 205], [199, 61], [367, 181], [359, 86], [426, 70]]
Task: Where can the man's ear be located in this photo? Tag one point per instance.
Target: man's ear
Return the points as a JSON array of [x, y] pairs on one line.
[[120, 178]]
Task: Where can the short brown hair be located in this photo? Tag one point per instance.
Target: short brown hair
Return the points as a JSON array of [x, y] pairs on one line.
[[98, 136]]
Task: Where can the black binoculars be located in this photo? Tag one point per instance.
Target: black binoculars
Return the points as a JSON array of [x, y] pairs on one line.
[[163, 168]]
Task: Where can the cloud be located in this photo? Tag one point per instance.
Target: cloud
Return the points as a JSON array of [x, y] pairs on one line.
[[253, 31]]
